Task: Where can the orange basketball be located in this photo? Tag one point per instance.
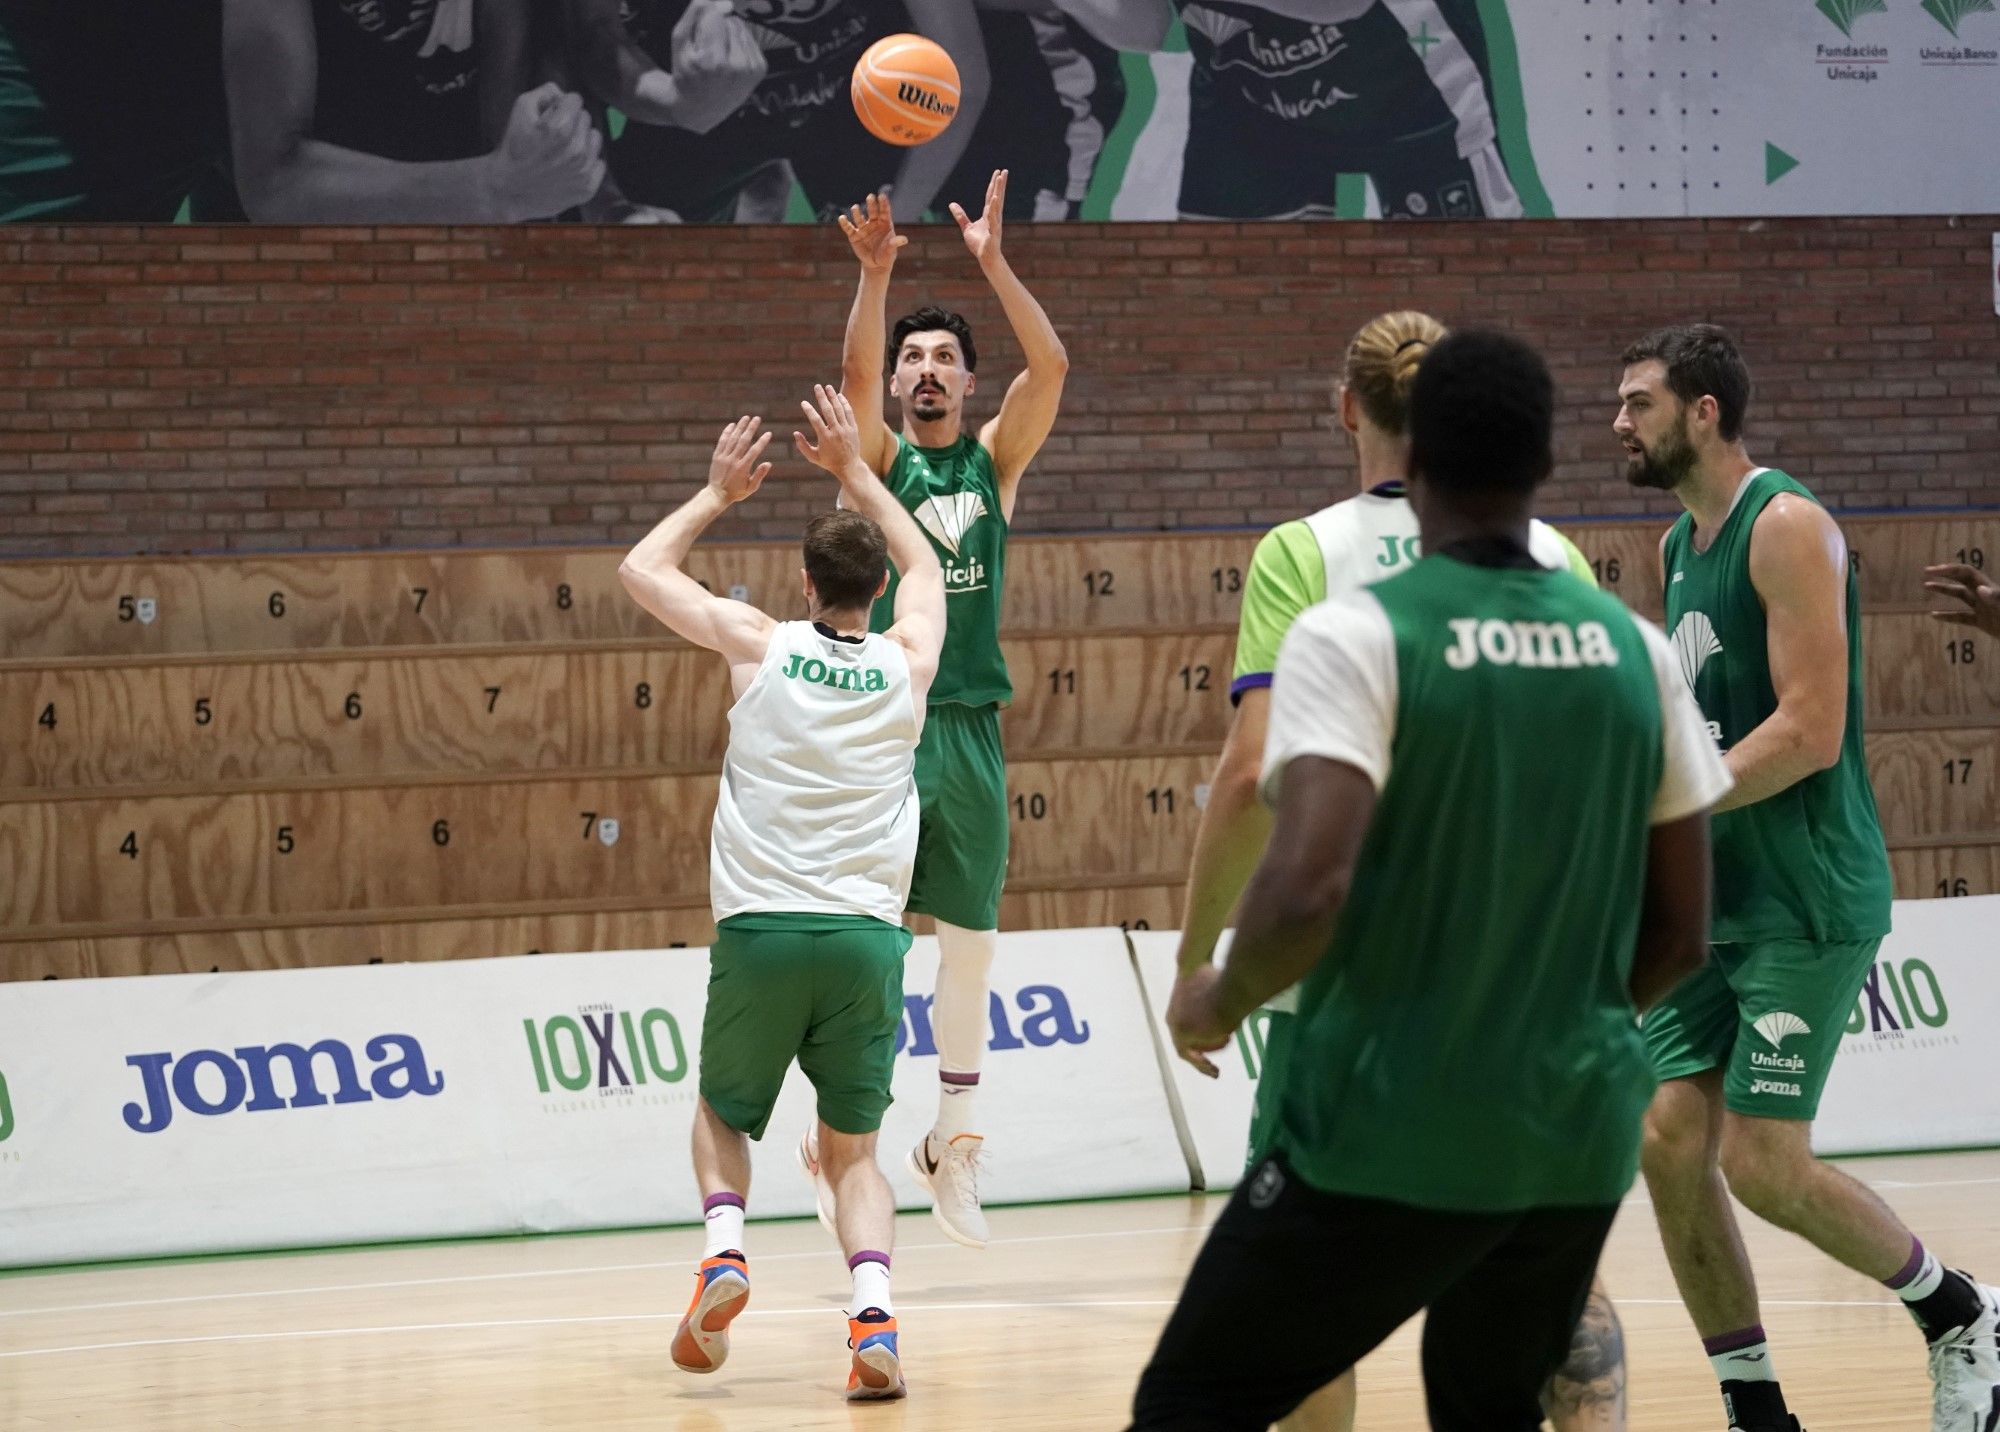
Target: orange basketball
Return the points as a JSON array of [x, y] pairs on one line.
[[906, 89]]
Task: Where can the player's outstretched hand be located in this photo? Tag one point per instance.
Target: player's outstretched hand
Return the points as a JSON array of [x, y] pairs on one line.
[[982, 235], [838, 437], [871, 233], [1979, 592], [1194, 1017], [734, 472]]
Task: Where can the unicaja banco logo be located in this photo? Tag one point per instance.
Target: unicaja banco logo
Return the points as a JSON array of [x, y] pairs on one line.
[[1949, 12], [1694, 642], [213, 1082], [948, 518], [1778, 1025], [609, 1050], [1845, 12]]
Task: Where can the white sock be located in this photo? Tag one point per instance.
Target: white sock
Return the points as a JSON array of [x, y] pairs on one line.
[[723, 1213], [959, 1022], [1741, 1357], [871, 1283], [1913, 1285]]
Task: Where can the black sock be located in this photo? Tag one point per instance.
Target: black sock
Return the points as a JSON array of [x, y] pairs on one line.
[[1955, 1304], [1759, 1405]]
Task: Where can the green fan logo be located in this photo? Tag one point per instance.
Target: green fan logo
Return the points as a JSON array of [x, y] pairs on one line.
[[1949, 12], [1845, 12]]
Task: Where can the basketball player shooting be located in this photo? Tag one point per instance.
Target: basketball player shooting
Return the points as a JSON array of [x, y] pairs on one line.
[[961, 487], [809, 863]]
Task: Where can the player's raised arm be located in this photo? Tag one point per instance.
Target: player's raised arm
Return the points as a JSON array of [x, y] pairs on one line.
[[652, 571], [835, 446], [1029, 410], [871, 232]]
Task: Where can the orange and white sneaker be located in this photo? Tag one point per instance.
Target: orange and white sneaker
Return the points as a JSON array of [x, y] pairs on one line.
[[721, 1291], [876, 1373], [808, 1155]]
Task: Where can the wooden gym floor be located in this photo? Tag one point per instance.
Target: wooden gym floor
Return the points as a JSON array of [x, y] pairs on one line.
[[1046, 1329]]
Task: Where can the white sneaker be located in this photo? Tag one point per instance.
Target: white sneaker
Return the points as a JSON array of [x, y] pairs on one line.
[[808, 1155], [950, 1171], [1965, 1371]]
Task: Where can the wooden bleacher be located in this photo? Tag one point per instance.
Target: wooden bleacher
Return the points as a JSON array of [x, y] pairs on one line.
[[261, 762]]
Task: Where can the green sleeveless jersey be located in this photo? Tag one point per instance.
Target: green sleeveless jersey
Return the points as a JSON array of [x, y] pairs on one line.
[[1807, 863], [1469, 1041], [954, 493]]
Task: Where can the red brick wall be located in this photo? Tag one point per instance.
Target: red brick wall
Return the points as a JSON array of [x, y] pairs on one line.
[[174, 389]]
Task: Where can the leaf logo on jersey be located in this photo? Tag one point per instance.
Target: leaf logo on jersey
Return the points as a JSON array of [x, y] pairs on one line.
[[947, 518], [1695, 642], [1779, 1025], [1845, 12]]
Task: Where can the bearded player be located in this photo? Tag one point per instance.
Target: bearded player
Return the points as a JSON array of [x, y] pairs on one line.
[[960, 484]]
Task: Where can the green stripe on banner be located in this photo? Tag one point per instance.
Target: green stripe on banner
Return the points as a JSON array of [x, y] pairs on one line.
[[1350, 196], [1141, 93], [1511, 110]]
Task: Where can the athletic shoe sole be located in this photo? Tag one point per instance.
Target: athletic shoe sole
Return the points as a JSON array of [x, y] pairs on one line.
[[877, 1376], [701, 1343]]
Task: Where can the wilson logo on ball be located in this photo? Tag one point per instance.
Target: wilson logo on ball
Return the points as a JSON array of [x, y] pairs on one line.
[[906, 89]]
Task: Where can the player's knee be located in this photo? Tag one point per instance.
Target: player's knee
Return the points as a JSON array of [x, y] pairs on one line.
[[1675, 1142], [1763, 1173]]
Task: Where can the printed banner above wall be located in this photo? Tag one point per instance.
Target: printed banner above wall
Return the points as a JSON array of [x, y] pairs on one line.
[[471, 111]]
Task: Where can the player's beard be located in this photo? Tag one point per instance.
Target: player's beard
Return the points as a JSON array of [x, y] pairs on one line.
[[1666, 466], [930, 405]]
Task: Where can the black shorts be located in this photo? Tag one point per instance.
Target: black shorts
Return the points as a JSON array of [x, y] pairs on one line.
[[1295, 1285]]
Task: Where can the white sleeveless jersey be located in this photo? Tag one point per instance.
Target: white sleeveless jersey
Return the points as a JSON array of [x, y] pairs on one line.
[[1365, 538], [818, 808]]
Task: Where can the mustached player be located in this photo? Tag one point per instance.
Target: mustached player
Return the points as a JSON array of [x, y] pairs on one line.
[[1762, 605], [961, 487], [815, 832]]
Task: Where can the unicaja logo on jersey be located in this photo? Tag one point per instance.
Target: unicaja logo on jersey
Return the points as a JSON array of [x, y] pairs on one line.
[[947, 518], [1695, 642]]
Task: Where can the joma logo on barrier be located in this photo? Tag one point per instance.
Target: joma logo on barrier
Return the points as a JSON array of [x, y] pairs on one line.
[[1046, 1019], [1897, 998], [613, 1049], [247, 1083]]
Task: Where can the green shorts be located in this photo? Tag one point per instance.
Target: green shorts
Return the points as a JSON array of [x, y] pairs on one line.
[[962, 832], [824, 989], [1770, 1013]]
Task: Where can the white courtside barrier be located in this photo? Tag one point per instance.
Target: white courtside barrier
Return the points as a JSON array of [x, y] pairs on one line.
[[191, 1113]]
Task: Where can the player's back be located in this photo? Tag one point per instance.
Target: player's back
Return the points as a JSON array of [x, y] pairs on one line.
[[817, 811], [1470, 1041]]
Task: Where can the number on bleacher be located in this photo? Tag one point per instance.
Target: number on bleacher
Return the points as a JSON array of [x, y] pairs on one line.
[[420, 593], [1226, 579], [1948, 888], [129, 847], [1062, 681], [1608, 571], [1958, 772], [1129, 925], [642, 696], [492, 699], [440, 832], [1098, 583], [286, 845], [563, 601], [47, 720], [1031, 807], [1160, 800], [352, 706], [128, 608], [1194, 678], [1960, 651], [276, 605], [1973, 557], [203, 712]]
